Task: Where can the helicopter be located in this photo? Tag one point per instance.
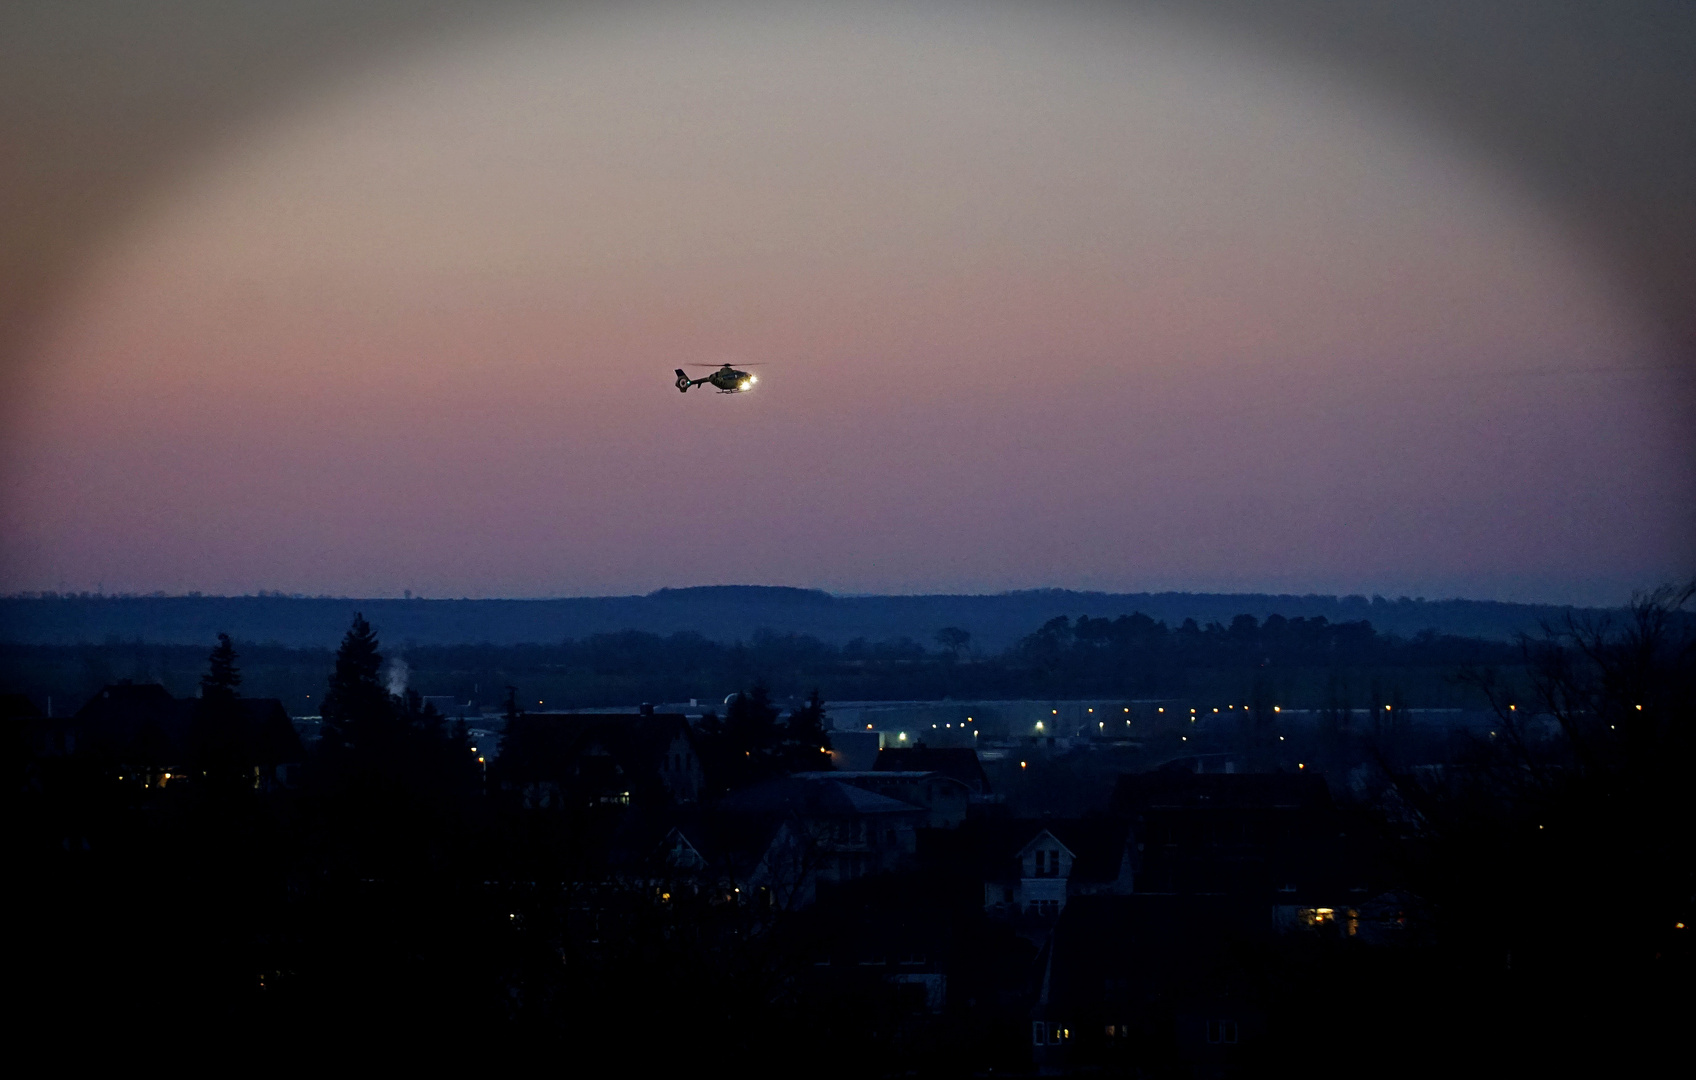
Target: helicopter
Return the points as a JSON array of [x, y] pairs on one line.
[[727, 380]]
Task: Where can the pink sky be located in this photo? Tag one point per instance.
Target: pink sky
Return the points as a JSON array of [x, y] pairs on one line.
[[1047, 301]]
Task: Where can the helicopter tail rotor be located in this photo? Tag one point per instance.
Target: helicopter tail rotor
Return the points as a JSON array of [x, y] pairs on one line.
[[683, 381]]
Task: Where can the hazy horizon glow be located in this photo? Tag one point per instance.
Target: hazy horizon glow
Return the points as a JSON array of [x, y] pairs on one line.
[[1054, 299]]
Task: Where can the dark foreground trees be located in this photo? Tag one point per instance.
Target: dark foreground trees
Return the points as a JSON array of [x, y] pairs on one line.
[[754, 742], [1546, 880], [1537, 883]]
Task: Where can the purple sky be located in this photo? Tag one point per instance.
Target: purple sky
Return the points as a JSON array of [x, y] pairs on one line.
[[1047, 300]]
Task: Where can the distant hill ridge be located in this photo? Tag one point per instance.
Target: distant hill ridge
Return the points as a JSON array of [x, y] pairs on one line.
[[719, 612]]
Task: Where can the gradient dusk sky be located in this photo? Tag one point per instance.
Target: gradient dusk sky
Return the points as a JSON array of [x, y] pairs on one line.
[[1054, 297]]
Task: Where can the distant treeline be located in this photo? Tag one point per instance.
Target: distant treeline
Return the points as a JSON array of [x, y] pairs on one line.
[[720, 613], [1297, 662]]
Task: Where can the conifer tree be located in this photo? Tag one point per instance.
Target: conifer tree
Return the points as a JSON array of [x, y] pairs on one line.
[[219, 748], [222, 677], [357, 707], [750, 723], [805, 740]]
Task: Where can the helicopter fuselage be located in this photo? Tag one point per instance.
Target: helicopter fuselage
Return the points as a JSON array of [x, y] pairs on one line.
[[726, 380]]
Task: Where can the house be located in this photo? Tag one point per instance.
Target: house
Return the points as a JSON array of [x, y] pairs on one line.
[[788, 836], [880, 941], [158, 739], [1272, 837], [138, 725], [549, 760], [1147, 983], [960, 763], [1031, 870], [944, 798]]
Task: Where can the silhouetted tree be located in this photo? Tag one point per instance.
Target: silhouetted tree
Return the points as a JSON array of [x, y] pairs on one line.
[[746, 746], [953, 640], [357, 710], [220, 749], [804, 737], [222, 677], [1555, 868]]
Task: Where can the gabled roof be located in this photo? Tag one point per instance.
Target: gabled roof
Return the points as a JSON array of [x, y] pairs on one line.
[[961, 763], [544, 746], [1136, 792], [723, 843], [143, 722], [137, 722], [1097, 845], [1045, 837], [882, 777], [811, 797], [676, 850], [271, 734]]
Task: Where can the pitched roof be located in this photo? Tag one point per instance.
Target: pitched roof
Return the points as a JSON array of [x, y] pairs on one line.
[[1097, 845], [270, 732], [1179, 788], [961, 763], [811, 797], [142, 721], [543, 746], [135, 721], [880, 777]]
